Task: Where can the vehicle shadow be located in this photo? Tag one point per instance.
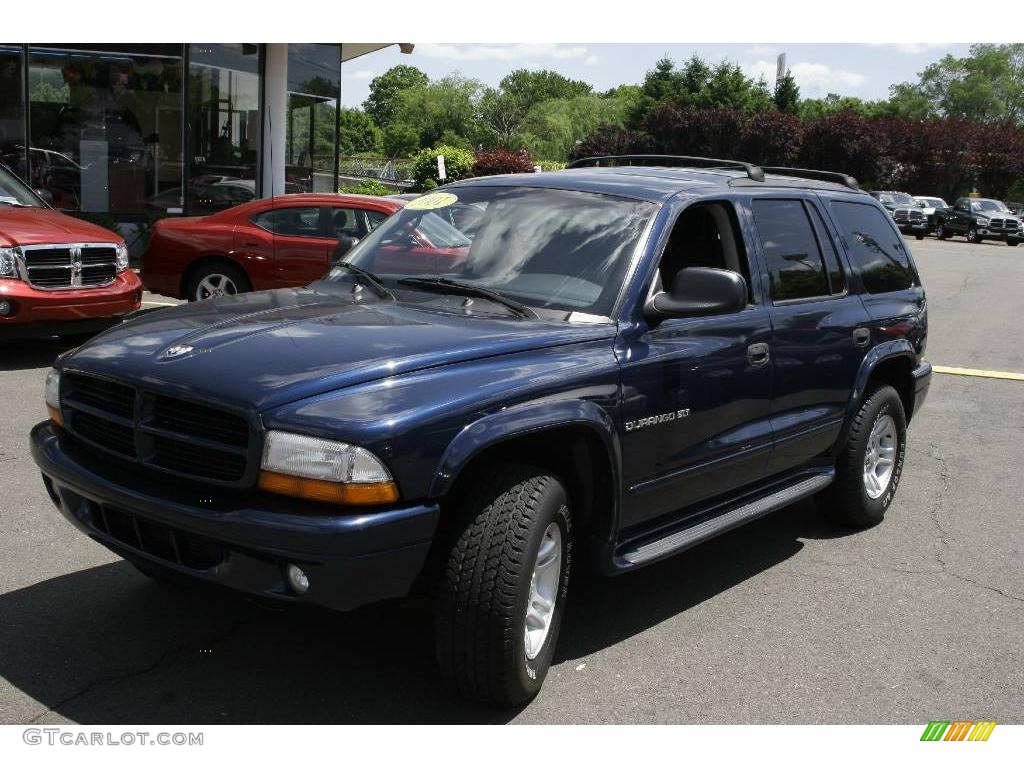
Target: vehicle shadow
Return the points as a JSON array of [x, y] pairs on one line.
[[25, 355], [106, 645]]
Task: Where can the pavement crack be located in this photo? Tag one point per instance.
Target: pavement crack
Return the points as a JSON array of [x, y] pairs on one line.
[[94, 684]]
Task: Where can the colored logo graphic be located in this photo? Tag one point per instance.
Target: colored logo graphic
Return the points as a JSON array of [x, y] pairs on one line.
[[958, 730]]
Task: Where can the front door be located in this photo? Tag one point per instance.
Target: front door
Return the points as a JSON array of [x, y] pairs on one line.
[[696, 391], [301, 245]]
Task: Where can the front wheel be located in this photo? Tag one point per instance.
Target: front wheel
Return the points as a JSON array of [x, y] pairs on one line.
[[870, 463], [1013, 243], [973, 236], [919, 237], [502, 593]]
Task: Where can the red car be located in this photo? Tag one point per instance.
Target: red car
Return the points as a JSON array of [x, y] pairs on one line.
[[280, 242], [58, 275]]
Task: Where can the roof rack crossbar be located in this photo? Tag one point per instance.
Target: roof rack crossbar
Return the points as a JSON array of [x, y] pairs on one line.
[[807, 173], [752, 171]]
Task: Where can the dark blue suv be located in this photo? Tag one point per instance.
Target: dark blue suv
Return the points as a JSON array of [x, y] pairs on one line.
[[613, 362]]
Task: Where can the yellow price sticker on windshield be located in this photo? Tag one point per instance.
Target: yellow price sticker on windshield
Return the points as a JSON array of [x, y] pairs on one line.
[[432, 201]]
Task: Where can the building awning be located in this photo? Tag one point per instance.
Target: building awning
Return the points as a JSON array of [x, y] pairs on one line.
[[351, 51]]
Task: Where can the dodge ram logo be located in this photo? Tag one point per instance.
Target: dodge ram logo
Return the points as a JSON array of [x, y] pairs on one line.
[[76, 267], [176, 351]]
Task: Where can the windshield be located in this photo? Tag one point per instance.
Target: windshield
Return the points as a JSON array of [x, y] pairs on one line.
[[896, 198], [988, 205], [545, 248], [932, 202], [14, 192]]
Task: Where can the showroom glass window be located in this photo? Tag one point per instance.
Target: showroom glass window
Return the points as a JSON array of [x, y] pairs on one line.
[[314, 87], [105, 125], [224, 123], [12, 107]]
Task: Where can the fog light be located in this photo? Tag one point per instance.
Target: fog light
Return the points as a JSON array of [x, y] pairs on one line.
[[6, 308], [297, 579]]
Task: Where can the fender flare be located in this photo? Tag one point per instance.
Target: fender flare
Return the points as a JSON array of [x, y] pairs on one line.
[[887, 350], [520, 421]]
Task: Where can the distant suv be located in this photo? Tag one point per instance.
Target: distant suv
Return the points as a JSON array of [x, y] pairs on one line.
[[928, 206], [905, 211], [609, 364], [58, 275], [979, 219]]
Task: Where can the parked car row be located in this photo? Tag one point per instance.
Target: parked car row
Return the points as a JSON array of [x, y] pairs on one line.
[[974, 218]]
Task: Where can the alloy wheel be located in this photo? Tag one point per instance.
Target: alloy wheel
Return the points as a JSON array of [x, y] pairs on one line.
[[880, 456], [215, 285], [547, 572]]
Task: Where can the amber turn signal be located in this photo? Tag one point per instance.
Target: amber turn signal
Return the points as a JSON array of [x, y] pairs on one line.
[[325, 490], [55, 415]]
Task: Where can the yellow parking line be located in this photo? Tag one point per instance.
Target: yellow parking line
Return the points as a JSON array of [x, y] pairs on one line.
[[975, 372]]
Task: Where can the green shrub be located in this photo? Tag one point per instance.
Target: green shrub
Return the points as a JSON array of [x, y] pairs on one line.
[[551, 165], [457, 163], [368, 187]]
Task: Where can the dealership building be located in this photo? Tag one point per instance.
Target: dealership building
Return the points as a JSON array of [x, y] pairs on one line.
[[136, 131]]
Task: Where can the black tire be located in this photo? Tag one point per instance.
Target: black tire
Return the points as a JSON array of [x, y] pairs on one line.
[[484, 589], [237, 280], [1013, 243], [940, 232], [919, 237], [847, 500], [973, 236]]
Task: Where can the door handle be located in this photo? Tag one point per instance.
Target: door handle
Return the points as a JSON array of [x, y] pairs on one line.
[[861, 336], [758, 355]]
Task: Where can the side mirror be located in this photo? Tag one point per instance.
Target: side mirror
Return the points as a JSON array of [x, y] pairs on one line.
[[698, 292], [46, 195]]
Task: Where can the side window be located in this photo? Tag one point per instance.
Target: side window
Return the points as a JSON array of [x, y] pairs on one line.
[[344, 221], [374, 219], [704, 235], [836, 278], [293, 222], [795, 267], [876, 249]]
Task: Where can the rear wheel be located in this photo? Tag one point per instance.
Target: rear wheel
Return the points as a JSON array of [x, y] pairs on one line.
[[869, 466], [940, 232], [919, 237], [217, 279], [502, 594]]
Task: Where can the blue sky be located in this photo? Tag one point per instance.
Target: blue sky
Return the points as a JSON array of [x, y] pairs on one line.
[[862, 70]]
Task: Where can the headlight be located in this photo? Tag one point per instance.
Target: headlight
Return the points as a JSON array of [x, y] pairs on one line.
[[982, 221], [122, 257], [51, 393], [324, 470], [8, 263]]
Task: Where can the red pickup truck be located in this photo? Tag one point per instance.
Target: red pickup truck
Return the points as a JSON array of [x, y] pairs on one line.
[[58, 275]]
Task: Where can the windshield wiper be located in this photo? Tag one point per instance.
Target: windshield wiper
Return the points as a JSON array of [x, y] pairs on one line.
[[375, 282], [444, 285]]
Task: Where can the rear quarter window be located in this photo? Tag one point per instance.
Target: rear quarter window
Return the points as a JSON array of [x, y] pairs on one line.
[[876, 248]]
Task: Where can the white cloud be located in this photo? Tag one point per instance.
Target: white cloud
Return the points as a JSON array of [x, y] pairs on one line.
[[514, 52], [763, 50], [813, 79], [359, 74], [591, 60]]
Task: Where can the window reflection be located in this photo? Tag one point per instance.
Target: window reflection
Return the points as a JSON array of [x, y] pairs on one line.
[[314, 82]]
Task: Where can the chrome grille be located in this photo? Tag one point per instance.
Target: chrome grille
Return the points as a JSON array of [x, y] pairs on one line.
[[1003, 224], [163, 433], [70, 265]]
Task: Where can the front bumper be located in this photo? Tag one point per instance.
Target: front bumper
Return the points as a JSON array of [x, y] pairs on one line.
[[1001, 234], [913, 227], [350, 559], [51, 309]]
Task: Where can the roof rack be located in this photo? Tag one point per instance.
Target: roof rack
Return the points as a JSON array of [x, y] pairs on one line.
[[808, 173], [753, 171]]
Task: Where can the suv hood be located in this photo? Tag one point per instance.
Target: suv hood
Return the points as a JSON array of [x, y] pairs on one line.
[[40, 226], [269, 348]]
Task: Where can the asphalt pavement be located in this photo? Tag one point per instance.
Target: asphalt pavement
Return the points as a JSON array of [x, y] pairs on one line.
[[786, 620]]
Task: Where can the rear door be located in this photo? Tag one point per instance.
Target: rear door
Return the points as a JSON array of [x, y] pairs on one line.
[[819, 333]]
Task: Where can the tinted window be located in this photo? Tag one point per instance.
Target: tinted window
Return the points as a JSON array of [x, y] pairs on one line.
[[794, 260], [296, 222], [836, 278], [876, 248], [374, 219]]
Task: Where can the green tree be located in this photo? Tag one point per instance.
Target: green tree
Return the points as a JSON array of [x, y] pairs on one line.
[[527, 88], [551, 129], [357, 132], [386, 89], [787, 94], [457, 164], [399, 140], [501, 114], [448, 104]]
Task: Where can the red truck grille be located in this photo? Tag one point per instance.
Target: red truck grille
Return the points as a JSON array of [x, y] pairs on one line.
[[56, 267]]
